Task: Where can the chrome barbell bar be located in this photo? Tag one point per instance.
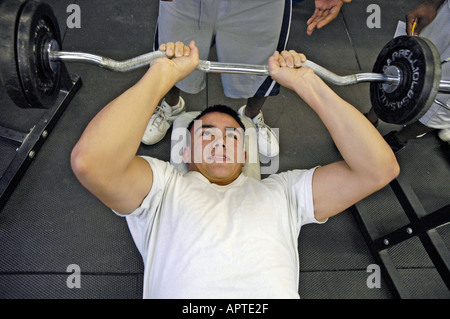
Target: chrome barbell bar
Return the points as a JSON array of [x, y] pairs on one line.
[[54, 55], [214, 67]]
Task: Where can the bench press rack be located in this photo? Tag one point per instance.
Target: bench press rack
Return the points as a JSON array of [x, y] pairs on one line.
[[421, 224], [27, 145]]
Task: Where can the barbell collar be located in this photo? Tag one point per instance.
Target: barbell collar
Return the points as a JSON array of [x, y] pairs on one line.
[[444, 86]]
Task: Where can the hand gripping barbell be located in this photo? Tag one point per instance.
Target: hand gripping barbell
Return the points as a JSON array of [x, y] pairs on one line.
[[405, 80]]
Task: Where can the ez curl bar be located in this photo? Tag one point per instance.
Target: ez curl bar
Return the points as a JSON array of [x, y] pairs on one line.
[[53, 55], [405, 80]]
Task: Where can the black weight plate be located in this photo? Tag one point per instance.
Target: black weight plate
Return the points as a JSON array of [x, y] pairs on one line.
[[36, 26], [9, 14], [418, 62]]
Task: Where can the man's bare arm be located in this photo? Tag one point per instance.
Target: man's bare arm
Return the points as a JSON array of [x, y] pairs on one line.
[[369, 164], [104, 159]]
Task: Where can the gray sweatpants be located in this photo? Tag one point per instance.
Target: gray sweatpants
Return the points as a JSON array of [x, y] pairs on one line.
[[438, 32], [247, 32]]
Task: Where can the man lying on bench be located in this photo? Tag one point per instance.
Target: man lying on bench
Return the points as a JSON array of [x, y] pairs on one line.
[[214, 232]]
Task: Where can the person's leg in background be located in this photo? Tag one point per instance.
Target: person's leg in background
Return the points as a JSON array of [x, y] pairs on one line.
[[244, 26], [180, 21]]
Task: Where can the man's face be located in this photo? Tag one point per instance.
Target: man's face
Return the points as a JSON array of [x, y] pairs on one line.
[[217, 148]]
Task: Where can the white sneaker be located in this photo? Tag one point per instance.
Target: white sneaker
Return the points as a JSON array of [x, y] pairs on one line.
[[267, 139], [444, 134], [161, 121]]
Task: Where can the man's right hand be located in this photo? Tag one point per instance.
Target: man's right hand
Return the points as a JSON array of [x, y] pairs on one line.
[[181, 60], [286, 69]]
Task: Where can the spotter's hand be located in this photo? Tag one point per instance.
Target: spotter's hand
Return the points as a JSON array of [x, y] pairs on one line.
[[326, 11]]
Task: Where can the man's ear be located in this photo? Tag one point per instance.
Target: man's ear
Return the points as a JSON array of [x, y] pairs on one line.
[[187, 154]]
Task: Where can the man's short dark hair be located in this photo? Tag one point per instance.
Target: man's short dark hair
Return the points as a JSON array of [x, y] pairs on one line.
[[220, 108]]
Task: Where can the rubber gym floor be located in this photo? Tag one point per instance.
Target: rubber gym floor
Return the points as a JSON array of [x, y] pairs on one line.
[[50, 222]]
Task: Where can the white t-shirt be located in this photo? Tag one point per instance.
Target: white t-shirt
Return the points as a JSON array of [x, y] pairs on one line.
[[201, 240]]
